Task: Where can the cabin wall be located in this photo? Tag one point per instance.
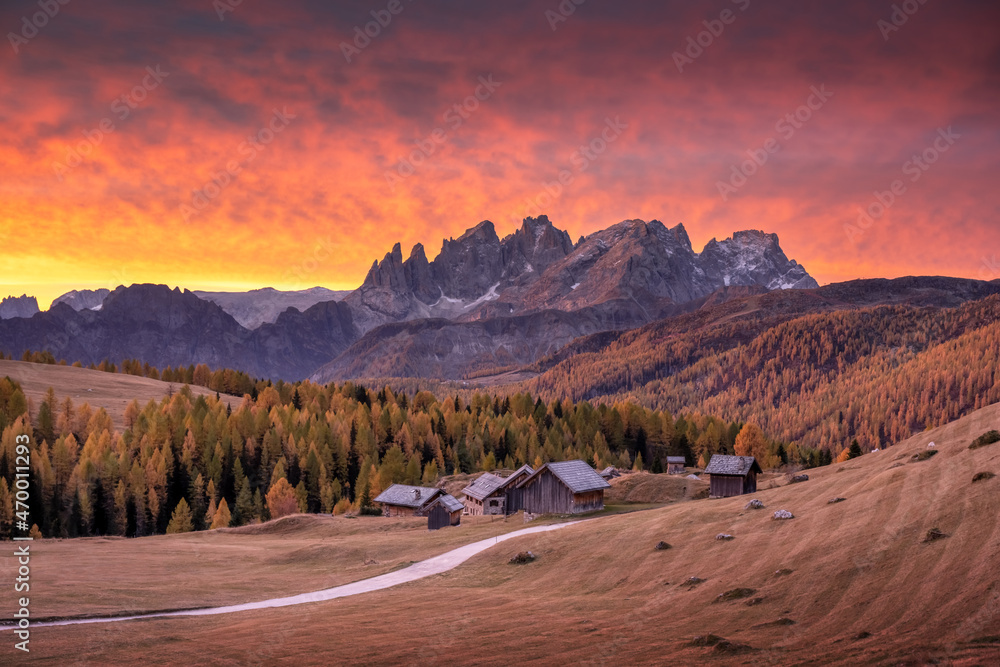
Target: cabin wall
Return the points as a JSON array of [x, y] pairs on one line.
[[546, 495], [725, 486], [438, 517], [675, 469], [473, 507], [399, 510], [590, 501], [750, 483]]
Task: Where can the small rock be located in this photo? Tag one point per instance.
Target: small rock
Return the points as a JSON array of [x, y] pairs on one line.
[[838, 499], [931, 445], [782, 514], [861, 635], [662, 546], [924, 455], [783, 572], [735, 594], [754, 505], [693, 477], [693, 581], [799, 478], [724, 536], [522, 558], [982, 476], [754, 602], [934, 534]]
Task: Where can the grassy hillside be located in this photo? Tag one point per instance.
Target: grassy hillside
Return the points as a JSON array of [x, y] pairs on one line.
[[843, 583], [111, 391]]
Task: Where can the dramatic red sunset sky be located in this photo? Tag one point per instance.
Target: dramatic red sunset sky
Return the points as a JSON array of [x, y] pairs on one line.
[[314, 206]]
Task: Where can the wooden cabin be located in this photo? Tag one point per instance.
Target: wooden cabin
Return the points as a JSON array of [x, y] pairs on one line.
[[406, 500], [732, 475], [444, 510], [675, 465], [494, 495], [567, 487], [485, 496]]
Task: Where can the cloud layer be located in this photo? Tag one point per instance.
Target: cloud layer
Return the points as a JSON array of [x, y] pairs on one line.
[[142, 142]]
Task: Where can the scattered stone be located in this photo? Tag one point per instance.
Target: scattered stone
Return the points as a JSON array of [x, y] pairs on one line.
[[982, 476], [522, 558], [861, 635], [781, 622], [838, 499], [662, 546], [692, 476], [782, 515], [934, 534], [693, 581], [924, 455], [707, 640], [724, 536], [754, 505], [931, 445], [753, 602], [799, 478], [731, 647], [985, 439], [735, 594], [783, 572]]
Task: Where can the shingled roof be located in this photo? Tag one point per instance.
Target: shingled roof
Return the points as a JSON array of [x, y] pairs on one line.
[[724, 464], [484, 486], [675, 459], [450, 503], [405, 495], [577, 475]]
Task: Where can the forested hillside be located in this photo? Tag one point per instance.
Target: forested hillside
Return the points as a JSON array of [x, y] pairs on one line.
[[192, 462], [876, 374]]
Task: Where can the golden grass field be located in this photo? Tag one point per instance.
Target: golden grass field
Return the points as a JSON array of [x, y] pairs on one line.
[[111, 391], [846, 583]]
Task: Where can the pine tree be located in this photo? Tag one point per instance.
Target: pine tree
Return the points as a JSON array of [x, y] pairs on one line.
[[198, 511], [180, 521], [751, 442], [244, 510], [281, 500]]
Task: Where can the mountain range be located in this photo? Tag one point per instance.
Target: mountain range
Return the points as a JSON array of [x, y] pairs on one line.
[[482, 304]]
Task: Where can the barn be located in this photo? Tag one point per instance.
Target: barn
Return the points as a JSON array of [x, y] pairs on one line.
[[732, 475], [444, 510], [406, 500], [675, 465], [567, 487], [514, 494]]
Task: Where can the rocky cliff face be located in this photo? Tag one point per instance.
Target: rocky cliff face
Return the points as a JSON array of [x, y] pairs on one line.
[[18, 306], [263, 306], [84, 299]]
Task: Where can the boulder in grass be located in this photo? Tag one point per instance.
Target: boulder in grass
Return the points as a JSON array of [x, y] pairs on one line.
[[838, 499], [522, 558], [754, 505], [724, 536], [662, 546], [935, 534], [982, 477], [782, 515], [799, 478]]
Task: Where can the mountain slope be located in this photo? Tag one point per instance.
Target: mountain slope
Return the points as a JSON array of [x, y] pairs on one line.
[[262, 306]]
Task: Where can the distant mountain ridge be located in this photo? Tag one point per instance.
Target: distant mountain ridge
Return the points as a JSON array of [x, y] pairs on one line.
[[483, 302], [18, 306]]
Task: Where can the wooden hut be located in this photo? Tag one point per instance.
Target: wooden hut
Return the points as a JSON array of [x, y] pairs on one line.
[[567, 487], [514, 494], [485, 496], [610, 473], [675, 465], [406, 500], [732, 475], [444, 510]]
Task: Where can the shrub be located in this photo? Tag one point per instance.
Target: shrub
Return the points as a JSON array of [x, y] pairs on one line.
[[924, 455], [370, 511], [735, 594], [987, 438], [934, 534]]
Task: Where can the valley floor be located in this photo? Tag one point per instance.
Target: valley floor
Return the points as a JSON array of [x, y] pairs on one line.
[[852, 582]]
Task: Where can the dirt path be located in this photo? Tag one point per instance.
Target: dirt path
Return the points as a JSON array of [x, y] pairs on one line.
[[436, 565]]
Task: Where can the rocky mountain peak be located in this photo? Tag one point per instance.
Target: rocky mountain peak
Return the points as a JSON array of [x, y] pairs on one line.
[[18, 306]]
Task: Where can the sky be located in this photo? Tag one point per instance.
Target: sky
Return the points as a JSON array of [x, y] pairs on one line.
[[236, 145]]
